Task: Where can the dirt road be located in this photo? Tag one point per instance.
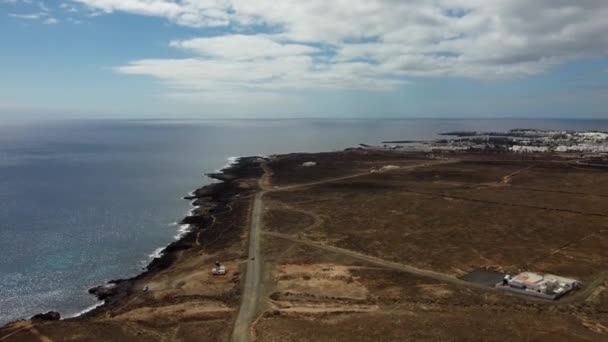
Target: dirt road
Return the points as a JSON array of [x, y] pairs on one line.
[[332, 180], [248, 310], [250, 298], [577, 296], [380, 262]]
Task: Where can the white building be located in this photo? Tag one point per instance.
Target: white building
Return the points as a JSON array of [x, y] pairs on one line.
[[546, 286]]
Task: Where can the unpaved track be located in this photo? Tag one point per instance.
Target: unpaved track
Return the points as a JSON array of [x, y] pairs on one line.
[[332, 180], [248, 310], [250, 297], [507, 179], [577, 296], [379, 262], [28, 326]]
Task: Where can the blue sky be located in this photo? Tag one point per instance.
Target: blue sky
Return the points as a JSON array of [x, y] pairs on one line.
[[259, 58]]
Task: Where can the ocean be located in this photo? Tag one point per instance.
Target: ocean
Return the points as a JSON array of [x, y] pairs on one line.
[[84, 202]]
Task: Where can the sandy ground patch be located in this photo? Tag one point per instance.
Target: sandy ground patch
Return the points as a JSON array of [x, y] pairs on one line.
[[189, 310], [436, 290], [327, 280]]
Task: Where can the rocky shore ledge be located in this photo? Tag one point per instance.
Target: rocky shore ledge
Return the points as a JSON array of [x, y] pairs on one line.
[[207, 200]]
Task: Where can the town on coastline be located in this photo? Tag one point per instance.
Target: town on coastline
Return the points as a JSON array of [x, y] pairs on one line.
[[515, 140]]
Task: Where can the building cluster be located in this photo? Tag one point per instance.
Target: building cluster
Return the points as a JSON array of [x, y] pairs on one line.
[[516, 140], [545, 286]]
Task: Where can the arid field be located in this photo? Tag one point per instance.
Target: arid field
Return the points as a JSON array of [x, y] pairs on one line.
[[376, 246], [455, 214]]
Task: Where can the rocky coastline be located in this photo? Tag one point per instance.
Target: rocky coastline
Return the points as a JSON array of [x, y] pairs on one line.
[[207, 200]]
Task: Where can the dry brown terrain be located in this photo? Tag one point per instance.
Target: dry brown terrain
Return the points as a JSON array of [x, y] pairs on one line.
[[350, 253], [346, 259]]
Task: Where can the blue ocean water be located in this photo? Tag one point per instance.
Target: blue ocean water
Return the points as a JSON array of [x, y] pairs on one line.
[[83, 202]]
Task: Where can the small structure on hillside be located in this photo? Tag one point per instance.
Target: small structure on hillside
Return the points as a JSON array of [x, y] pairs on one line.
[[384, 168], [545, 286], [219, 269], [389, 168], [309, 164]]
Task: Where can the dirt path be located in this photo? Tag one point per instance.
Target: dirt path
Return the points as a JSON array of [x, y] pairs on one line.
[[380, 262], [40, 336], [507, 179], [250, 297], [248, 310], [29, 328], [332, 180], [577, 296]]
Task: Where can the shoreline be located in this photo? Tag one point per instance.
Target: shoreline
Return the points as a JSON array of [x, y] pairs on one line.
[[289, 277], [204, 202]]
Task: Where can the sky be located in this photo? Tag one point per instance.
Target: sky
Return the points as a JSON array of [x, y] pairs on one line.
[[293, 58]]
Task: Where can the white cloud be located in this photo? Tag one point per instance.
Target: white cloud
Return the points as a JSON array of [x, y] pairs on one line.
[[68, 7], [73, 21], [14, 2], [42, 14], [201, 13], [266, 69], [42, 17], [43, 7], [50, 21], [29, 16], [367, 44], [243, 47]]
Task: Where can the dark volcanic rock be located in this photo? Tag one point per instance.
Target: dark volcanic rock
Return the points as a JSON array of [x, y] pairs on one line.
[[205, 205], [209, 190], [49, 316], [225, 177], [195, 219], [103, 291], [243, 168]]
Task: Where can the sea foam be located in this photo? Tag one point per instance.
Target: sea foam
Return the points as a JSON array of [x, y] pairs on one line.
[[87, 310], [231, 161], [157, 253], [183, 230]]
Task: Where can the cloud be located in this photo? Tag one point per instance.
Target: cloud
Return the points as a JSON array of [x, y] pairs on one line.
[[73, 21], [50, 21], [14, 2], [366, 44], [201, 13], [43, 17], [43, 7], [30, 16], [42, 14], [243, 47], [68, 7], [272, 66]]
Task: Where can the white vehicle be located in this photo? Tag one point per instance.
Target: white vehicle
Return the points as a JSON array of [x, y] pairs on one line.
[[219, 269]]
